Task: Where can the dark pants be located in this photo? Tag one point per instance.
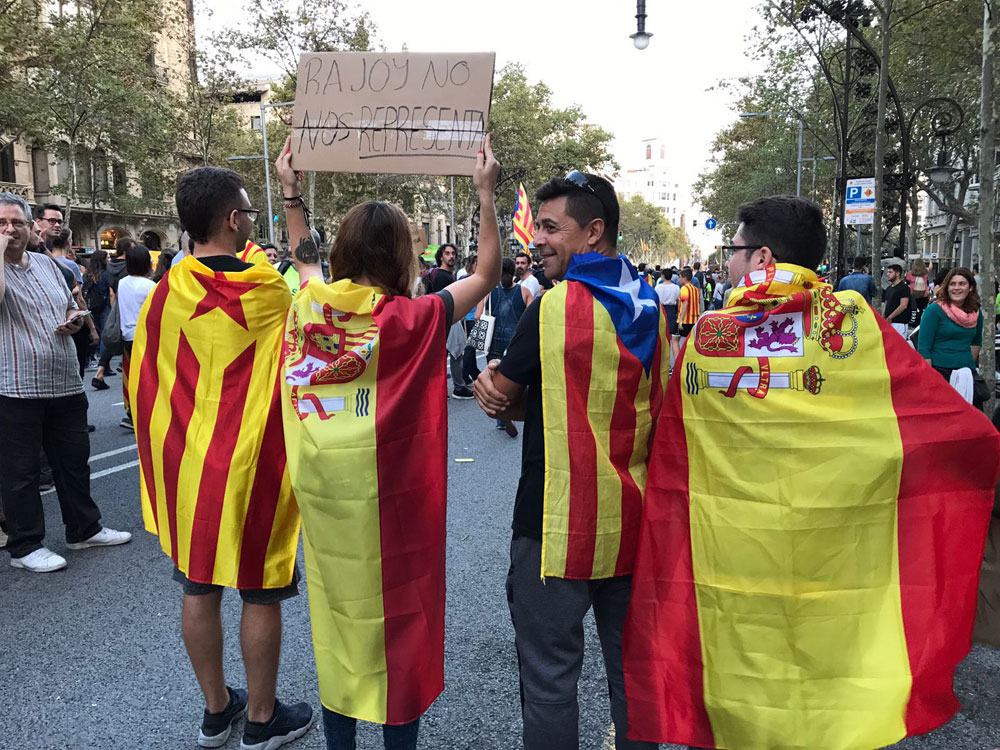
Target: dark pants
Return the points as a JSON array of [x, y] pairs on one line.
[[81, 341], [59, 425], [548, 632], [470, 368], [340, 731]]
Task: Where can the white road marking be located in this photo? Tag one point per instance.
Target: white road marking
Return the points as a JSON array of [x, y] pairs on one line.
[[118, 403], [115, 452], [105, 472]]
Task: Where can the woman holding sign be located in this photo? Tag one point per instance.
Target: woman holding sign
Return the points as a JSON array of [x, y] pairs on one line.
[[363, 384]]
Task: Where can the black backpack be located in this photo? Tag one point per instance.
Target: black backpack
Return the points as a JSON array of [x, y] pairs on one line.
[[92, 296]]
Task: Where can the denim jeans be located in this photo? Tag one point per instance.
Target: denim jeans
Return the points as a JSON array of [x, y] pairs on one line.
[[340, 732], [59, 425]]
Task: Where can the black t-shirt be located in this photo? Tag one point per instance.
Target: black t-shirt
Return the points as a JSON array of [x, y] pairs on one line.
[[893, 296], [523, 365], [224, 263], [437, 279]]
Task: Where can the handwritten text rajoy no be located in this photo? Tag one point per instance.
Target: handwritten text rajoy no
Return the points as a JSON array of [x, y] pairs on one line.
[[323, 76]]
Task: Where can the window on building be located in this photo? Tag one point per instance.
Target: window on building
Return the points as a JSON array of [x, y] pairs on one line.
[[119, 177], [255, 123], [40, 170], [7, 163], [649, 151]]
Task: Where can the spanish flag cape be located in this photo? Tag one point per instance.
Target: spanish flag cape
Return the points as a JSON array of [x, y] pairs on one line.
[[815, 518], [207, 415], [253, 253], [366, 427], [604, 366]]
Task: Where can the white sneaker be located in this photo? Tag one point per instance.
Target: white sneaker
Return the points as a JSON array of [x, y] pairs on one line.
[[104, 538], [40, 561]]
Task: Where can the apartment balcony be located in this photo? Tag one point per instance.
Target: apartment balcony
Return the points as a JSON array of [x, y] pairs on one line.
[[23, 191]]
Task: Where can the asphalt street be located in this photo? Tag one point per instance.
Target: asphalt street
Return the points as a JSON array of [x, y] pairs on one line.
[[93, 657]]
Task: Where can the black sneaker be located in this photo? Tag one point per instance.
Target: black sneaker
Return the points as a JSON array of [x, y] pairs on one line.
[[126, 423], [463, 391], [216, 728], [288, 723], [98, 384]]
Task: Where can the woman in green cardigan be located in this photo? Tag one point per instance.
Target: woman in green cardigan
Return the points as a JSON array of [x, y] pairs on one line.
[[951, 330]]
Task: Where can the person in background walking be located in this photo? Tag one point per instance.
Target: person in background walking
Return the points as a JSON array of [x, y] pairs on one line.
[[132, 293], [897, 300], [669, 296], [114, 272], [951, 333], [689, 304], [859, 281], [507, 304], [470, 369], [919, 281]]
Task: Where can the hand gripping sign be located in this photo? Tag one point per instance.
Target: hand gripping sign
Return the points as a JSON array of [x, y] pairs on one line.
[[391, 113]]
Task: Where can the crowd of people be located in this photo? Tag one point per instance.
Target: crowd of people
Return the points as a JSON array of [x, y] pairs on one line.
[[674, 429]]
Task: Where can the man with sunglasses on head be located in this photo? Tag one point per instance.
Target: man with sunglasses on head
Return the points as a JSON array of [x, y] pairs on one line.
[[784, 596], [207, 418], [585, 370]]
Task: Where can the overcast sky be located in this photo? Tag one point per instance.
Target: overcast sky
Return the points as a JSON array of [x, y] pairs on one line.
[[582, 50]]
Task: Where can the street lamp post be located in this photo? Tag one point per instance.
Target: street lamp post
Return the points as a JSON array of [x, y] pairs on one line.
[[802, 125], [641, 37]]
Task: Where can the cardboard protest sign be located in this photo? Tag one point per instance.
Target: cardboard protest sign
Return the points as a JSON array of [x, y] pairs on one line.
[[393, 113]]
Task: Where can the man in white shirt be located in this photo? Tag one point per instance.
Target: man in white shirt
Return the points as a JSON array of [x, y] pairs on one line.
[[522, 270], [669, 296]]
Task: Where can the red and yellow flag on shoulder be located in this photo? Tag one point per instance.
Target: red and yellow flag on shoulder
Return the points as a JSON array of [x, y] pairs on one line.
[[604, 363], [366, 426], [814, 525], [207, 415], [253, 253], [524, 222]]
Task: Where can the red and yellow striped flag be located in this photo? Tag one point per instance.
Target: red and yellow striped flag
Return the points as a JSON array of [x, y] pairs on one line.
[[815, 519], [207, 415], [524, 222], [253, 253], [366, 427], [600, 401]]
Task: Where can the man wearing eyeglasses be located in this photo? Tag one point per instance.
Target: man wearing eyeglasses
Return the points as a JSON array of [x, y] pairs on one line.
[[214, 486], [785, 597], [587, 418], [48, 223], [42, 404]]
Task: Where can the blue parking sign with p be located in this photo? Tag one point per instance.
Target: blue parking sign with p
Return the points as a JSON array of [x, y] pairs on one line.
[[853, 192]]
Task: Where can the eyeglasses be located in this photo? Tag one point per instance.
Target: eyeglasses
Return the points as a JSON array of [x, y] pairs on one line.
[[253, 213], [579, 179], [728, 251], [15, 223], [52, 221]]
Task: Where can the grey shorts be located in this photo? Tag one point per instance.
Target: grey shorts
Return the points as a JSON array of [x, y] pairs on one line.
[[249, 596]]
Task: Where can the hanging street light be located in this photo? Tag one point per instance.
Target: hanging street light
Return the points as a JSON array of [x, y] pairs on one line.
[[640, 38]]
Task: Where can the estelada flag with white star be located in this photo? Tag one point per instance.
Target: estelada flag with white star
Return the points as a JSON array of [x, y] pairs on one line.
[[814, 524], [366, 425], [207, 414], [604, 368]]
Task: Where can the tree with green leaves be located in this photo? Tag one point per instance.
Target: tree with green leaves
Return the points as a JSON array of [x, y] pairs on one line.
[[642, 223]]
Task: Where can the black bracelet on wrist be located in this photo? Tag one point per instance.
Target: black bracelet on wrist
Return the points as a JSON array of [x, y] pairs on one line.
[[292, 197]]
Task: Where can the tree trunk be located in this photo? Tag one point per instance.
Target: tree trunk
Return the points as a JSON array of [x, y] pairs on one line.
[[93, 205], [880, 141], [987, 241]]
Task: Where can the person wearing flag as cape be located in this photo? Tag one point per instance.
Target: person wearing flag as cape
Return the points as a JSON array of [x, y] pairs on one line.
[[815, 518], [362, 384], [213, 477], [586, 371]]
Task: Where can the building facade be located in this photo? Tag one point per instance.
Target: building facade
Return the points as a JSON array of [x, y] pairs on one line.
[[651, 176]]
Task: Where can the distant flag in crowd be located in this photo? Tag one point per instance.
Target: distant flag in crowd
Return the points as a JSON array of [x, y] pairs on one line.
[[644, 246], [253, 253], [524, 222]]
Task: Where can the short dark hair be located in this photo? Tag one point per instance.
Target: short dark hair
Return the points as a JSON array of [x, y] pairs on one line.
[[585, 206], [41, 208], [205, 197], [696, 265], [686, 274], [138, 261], [122, 244], [790, 226], [440, 252], [667, 274], [859, 263], [897, 268], [641, 268]]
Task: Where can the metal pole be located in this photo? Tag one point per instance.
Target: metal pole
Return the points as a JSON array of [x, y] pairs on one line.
[[267, 173], [798, 166], [844, 148], [453, 228], [987, 202]]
